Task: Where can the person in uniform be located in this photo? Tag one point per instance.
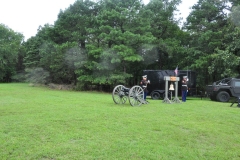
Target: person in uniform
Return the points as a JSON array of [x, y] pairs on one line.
[[184, 88], [143, 84]]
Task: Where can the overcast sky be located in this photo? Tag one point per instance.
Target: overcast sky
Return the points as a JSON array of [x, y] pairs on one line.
[[25, 16]]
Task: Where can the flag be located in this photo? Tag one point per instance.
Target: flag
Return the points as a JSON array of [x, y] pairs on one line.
[[176, 71]]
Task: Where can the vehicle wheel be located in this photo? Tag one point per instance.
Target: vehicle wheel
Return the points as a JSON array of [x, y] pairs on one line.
[[118, 95], [161, 96], [223, 96], [136, 96], [169, 95], [155, 95]]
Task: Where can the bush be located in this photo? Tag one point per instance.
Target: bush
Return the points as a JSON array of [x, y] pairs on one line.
[[37, 75]]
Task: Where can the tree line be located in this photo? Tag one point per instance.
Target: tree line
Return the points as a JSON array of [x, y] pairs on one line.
[[110, 42]]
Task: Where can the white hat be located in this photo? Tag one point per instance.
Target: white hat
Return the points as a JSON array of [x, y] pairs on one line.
[[145, 76]]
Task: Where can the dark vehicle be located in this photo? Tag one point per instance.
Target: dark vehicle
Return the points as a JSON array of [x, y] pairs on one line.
[[223, 89], [157, 86]]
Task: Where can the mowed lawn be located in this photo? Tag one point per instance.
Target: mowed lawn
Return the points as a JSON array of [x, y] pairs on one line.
[[40, 123]]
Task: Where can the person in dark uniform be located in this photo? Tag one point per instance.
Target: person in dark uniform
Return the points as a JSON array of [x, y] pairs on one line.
[[184, 88], [143, 84]]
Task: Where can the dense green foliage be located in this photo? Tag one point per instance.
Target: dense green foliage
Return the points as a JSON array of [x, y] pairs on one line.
[[109, 42], [10, 52], [40, 123], [211, 49]]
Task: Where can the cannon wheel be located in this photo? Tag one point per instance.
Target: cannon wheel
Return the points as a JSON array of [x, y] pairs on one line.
[[118, 95], [135, 96]]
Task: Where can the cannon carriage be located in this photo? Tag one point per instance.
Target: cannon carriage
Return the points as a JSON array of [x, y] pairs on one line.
[[135, 95]]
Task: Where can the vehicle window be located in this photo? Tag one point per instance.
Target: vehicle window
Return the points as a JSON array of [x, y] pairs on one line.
[[237, 84]]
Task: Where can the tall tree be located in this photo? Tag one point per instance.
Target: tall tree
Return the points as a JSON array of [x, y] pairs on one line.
[[10, 45], [207, 26], [43, 52], [71, 32], [165, 29], [226, 61], [116, 40]]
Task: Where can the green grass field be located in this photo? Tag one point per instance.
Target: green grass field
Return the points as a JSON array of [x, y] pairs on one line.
[[40, 123]]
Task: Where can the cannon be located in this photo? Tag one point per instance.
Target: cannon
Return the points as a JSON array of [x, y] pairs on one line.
[[135, 95]]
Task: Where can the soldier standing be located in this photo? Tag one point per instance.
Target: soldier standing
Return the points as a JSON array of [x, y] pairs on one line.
[[143, 84], [184, 88]]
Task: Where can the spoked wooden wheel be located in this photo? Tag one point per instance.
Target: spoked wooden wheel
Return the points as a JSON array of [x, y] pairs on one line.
[[135, 96], [118, 95]]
